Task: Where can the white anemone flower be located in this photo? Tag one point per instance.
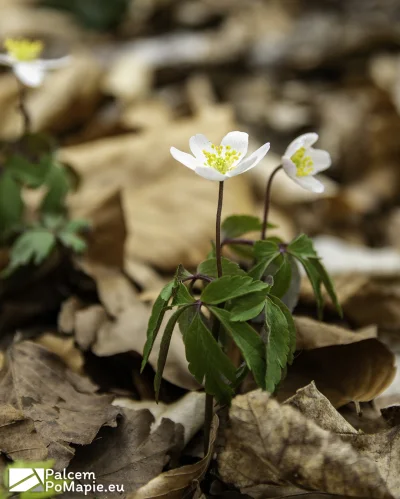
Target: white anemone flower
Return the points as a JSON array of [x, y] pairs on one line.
[[220, 162], [301, 162], [23, 57]]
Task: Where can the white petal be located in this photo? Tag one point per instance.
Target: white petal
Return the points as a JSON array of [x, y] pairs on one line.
[[289, 166], [197, 143], [306, 140], [251, 161], [184, 158], [55, 63], [210, 173], [310, 184], [6, 59], [239, 141], [30, 74], [320, 158]]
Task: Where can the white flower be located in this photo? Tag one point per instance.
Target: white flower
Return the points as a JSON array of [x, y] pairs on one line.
[[220, 162], [301, 162], [23, 57]]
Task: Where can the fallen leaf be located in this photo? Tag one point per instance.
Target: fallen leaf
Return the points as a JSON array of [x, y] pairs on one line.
[[62, 405], [272, 443], [65, 349], [179, 482]]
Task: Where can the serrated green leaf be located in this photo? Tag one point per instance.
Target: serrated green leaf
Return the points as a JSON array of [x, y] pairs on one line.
[[33, 246], [237, 225], [265, 252], [78, 225], [247, 307], [157, 315], [278, 342], [209, 268], [72, 241], [182, 296], [282, 276], [328, 283], [316, 282], [228, 287], [302, 247], [164, 348], [58, 185], [207, 362], [290, 325], [248, 342], [27, 172], [11, 205]]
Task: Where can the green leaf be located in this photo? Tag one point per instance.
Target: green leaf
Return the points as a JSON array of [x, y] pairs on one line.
[[209, 268], [277, 344], [237, 225], [327, 281], [282, 276], [248, 342], [207, 362], [157, 315], [33, 246], [265, 253], [11, 205], [27, 172], [182, 296], [164, 348], [72, 241], [316, 282], [58, 185], [247, 307], [290, 326], [78, 225], [302, 247], [228, 287]]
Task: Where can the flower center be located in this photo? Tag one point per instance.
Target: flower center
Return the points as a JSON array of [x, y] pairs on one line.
[[222, 158], [304, 164], [23, 50]]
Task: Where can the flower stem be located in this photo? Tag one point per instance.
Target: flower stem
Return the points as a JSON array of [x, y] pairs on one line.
[[267, 201], [209, 407], [24, 112]]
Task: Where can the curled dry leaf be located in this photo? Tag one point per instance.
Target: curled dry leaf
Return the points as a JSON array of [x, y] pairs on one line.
[[64, 348], [178, 483], [60, 406], [343, 373], [382, 447], [269, 443]]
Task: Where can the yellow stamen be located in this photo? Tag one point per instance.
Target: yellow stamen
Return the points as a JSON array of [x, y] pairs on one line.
[[23, 50], [304, 164], [222, 159]]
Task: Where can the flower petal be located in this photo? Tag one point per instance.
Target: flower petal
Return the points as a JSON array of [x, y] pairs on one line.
[[239, 141], [55, 63], [320, 158], [210, 173], [6, 59], [306, 140], [184, 158], [197, 143], [289, 166], [310, 184], [251, 161], [30, 74]]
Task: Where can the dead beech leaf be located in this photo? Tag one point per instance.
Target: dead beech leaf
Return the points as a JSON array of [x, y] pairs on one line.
[[272, 443], [131, 454], [63, 405], [315, 334], [343, 373], [87, 323], [66, 317], [383, 447], [179, 482], [64, 348]]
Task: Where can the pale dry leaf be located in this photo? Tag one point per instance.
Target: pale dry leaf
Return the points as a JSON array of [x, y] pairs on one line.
[[343, 373], [187, 411], [179, 482], [272, 443], [64, 348], [66, 317], [63, 405], [87, 323]]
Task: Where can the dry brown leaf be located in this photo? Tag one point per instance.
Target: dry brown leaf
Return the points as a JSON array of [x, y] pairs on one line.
[[131, 454], [382, 447], [65, 349], [272, 443], [178, 483], [66, 317], [343, 373], [87, 323], [63, 405], [312, 334]]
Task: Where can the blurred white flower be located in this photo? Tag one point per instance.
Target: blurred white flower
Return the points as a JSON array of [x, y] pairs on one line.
[[301, 162], [220, 162], [23, 57]]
